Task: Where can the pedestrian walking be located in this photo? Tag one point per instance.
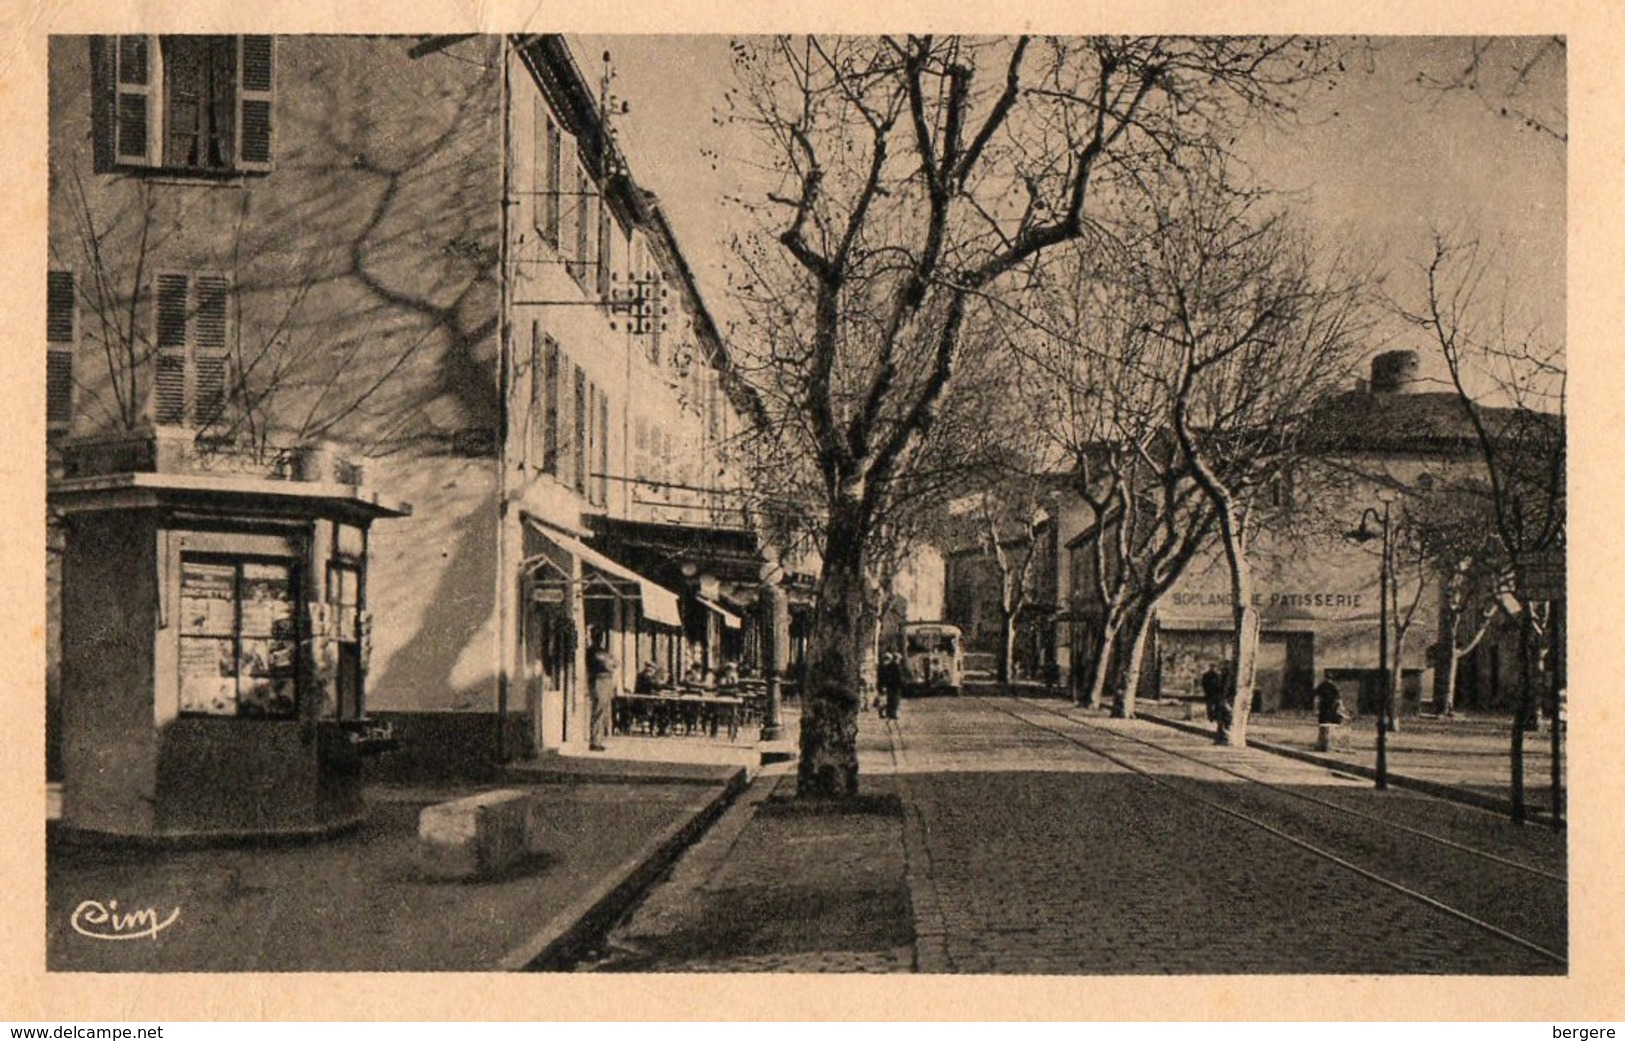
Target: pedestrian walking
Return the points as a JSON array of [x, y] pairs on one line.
[[1215, 684], [1329, 702], [891, 684], [600, 687]]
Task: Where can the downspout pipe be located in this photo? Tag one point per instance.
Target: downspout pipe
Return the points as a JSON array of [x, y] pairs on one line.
[[505, 621]]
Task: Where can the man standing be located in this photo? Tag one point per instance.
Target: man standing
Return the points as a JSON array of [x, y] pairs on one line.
[[600, 687], [1214, 682], [891, 684]]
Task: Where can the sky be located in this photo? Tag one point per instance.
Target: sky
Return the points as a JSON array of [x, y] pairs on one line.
[[1373, 163]]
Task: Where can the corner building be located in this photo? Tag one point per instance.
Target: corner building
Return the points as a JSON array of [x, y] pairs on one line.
[[424, 263]]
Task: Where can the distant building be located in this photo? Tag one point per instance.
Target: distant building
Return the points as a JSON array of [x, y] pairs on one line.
[[1316, 589]]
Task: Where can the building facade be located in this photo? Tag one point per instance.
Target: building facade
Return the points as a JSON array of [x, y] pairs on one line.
[[429, 256], [1316, 555], [1317, 589]]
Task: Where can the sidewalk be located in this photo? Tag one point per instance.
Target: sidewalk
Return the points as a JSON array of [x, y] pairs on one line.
[[357, 902], [803, 887], [1466, 759]]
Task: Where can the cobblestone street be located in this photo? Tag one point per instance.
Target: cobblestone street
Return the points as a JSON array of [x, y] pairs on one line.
[[1030, 840]]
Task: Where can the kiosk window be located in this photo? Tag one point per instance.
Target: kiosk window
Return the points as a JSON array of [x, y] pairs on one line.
[[239, 641], [344, 597]]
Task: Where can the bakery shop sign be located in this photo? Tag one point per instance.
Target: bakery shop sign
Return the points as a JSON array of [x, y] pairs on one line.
[[1299, 602]]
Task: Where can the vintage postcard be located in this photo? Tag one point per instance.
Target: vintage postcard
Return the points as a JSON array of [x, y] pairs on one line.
[[947, 516]]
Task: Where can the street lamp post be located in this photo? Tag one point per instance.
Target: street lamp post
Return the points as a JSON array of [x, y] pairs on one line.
[[775, 626], [1385, 688]]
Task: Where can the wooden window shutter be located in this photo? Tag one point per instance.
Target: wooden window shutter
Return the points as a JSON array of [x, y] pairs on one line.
[[590, 443], [584, 226], [533, 411], [136, 127], [603, 448], [255, 82], [169, 367], [58, 389], [568, 205], [566, 428], [210, 345], [191, 369], [606, 242], [169, 395], [555, 157], [544, 201], [172, 299], [61, 314], [59, 307], [579, 439], [550, 410]]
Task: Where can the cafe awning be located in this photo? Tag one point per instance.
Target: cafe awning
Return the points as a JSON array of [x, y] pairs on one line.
[[659, 603], [729, 619]]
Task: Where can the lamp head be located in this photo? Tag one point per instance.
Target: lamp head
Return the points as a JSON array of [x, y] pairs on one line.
[[1363, 533]]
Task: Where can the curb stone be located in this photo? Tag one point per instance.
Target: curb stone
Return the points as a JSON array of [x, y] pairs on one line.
[[930, 926], [1436, 789]]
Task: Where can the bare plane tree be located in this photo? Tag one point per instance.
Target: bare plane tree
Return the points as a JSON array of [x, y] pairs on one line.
[[914, 176], [1512, 388], [1258, 333]]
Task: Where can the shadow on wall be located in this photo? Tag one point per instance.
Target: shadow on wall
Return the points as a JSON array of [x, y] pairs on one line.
[[431, 590]]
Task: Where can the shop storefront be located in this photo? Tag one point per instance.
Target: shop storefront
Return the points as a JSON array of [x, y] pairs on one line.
[[569, 589]]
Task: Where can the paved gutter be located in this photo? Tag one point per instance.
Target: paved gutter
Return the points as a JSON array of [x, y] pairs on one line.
[[571, 932]]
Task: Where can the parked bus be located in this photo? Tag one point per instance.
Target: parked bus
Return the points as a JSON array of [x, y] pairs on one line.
[[932, 659]]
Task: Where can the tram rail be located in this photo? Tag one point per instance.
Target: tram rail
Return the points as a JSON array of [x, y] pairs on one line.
[[1541, 875]]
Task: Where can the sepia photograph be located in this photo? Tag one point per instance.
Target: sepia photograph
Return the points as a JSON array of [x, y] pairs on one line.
[[908, 504]]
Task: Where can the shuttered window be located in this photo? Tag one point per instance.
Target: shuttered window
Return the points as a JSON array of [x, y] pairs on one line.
[[254, 103], [580, 442], [193, 104], [590, 453], [586, 228], [61, 333], [603, 449], [192, 371], [547, 161], [544, 401]]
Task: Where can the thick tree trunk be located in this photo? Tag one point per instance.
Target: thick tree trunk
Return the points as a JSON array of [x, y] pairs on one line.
[[1244, 640], [1135, 634], [1099, 674], [1244, 648], [1449, 671], [829, 720]]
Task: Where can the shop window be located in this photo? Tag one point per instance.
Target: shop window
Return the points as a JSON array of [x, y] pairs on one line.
[[344, 599], [239, 638], [61, 333], [190, 373], [189, 104]]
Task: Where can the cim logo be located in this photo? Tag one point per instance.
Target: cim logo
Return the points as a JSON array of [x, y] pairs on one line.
[[101, 921]]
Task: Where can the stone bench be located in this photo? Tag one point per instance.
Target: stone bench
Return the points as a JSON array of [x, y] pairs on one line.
[[478, 836]]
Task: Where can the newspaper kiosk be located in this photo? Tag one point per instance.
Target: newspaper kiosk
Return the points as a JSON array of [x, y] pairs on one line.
[[214, 640]]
